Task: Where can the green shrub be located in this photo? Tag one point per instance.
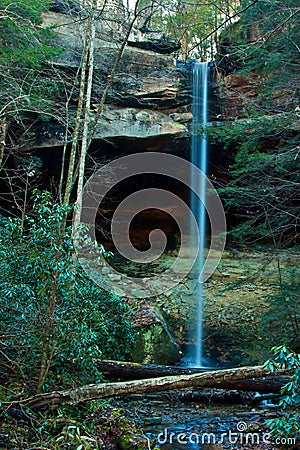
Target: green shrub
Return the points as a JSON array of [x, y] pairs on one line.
[[54, 317], [288, 425]]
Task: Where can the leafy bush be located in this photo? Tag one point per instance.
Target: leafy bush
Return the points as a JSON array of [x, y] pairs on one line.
[[23, 40], [53, 316], [288, 425]]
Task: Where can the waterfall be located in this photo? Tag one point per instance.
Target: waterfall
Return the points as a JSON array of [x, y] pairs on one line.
[[199, 159]]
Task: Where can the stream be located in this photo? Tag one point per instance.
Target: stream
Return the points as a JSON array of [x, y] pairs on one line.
[[175, 424]]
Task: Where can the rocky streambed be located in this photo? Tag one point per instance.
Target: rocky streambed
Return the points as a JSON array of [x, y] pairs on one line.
[[170, 422]]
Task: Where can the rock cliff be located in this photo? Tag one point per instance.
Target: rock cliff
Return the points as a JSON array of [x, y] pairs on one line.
[[146, 92], [256, 86]]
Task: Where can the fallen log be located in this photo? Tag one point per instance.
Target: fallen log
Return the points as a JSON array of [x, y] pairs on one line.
[[133, 371], [266, 385], [96, 391]]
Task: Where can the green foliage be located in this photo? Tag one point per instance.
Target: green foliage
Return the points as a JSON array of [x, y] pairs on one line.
[[264, 178], [266, 41], [192, 23], [25, 45], [92, 426], [288, 425], [88, 323], [77, 437], [21, 35], [262, 194]]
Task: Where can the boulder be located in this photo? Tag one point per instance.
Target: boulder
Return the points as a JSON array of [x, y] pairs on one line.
[[154, 344]]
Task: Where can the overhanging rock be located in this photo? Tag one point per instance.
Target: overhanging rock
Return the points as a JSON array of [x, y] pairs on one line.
[[116, 123]]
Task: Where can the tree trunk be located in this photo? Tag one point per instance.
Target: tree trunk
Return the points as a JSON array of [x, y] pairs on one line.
[[3, 132], [133, 371], [86, 122], [48, 330], [95, 391], [89, 127], [75, 138], [112, 74]]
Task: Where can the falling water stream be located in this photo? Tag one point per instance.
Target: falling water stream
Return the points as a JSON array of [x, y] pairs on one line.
[[199, 159]]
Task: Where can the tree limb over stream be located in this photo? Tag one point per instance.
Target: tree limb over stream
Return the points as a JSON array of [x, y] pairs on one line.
[[121, 371], [216, 378]]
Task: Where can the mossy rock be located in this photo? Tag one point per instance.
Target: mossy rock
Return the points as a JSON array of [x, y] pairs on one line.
[[154, 346]]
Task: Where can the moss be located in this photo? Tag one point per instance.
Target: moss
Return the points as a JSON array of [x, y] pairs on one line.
[[153, 345]]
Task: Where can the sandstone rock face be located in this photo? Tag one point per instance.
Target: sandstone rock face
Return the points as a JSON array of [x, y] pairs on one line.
[[235, 92], [131, 122], [160, 88], [144, 78], [240, 87], [146, 92], [152, 40], [116, 123]]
